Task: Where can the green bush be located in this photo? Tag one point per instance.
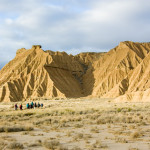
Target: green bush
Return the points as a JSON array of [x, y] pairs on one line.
[[119, 110]]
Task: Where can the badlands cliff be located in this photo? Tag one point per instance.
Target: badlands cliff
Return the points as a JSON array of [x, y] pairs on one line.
[[122, 73]]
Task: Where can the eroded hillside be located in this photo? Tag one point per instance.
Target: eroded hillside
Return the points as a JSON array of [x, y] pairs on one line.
[[121, 73]]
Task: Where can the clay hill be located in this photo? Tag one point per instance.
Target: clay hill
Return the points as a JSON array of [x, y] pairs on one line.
[[122, 73]]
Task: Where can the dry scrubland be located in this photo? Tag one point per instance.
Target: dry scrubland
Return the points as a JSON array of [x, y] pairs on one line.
[[76, 124]]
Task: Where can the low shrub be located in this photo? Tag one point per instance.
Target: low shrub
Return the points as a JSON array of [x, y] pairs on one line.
[[135, 135], [53, 145], [15, 146], [15, 129]]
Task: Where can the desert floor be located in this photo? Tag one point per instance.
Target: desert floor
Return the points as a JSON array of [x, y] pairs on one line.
[[74, 124]]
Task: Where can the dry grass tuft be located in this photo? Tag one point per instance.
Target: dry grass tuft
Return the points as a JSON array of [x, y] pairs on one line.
[[121, 140], [34, 144], [78, 125], [2, 145], [135, 135], [15, 146], [98, 144], [15, 129], [133, 149], [95, 130], [80, 135], [53, 145]]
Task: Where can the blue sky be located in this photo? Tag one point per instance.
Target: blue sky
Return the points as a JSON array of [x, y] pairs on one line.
[[73, 26]]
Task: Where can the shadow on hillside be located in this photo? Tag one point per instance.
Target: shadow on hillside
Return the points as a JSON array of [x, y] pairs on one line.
[[88, 81], [70, 83]]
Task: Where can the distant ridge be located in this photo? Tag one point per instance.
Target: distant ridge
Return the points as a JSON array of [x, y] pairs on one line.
[[122, 73]]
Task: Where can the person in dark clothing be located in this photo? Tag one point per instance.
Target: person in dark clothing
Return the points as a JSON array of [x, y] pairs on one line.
[[35, 105], [39, 105], [21, 107], [42, 105], [16, 106], [32, 105], [27, 105]]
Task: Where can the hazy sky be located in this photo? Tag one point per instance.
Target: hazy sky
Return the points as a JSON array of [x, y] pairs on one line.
[[73, 26]]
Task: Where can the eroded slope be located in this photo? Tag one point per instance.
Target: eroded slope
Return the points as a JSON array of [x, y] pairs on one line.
[[123, 72]]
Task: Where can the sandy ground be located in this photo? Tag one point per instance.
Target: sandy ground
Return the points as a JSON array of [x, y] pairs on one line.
[[75, 124]]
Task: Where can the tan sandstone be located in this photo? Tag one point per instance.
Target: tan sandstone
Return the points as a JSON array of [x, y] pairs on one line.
[[122, 73]]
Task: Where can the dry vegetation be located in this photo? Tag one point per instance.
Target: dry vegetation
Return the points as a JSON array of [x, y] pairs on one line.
[[76, 124]]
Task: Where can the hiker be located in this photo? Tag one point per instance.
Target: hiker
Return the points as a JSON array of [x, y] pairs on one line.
[[38, 104], [42, 105], [35, 105], [21, 107], [27, 105], [16, 106], [32, 105]]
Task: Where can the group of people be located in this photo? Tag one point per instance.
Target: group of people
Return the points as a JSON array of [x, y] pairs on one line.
[[20, 107], [34, 105], [29, 105]]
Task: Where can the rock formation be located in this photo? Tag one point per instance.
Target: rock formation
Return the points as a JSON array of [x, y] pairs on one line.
[[121, 73]]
